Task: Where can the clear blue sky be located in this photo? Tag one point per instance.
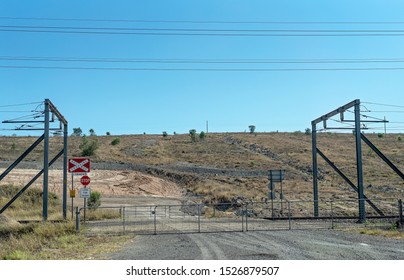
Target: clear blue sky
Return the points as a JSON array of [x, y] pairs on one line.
[[133, 101]]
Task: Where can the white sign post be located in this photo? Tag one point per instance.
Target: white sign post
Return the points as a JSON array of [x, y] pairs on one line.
[[85, 193]]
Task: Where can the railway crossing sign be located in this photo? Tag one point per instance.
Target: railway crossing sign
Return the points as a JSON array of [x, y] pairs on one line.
[[79, 165]]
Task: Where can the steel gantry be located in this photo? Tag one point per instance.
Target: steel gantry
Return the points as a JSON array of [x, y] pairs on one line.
[[358, 122], [48, 115]]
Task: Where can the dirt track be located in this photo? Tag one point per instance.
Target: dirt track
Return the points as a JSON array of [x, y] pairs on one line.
[[283, 245]]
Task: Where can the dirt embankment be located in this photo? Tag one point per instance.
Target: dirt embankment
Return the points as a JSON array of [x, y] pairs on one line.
[[108, 182]]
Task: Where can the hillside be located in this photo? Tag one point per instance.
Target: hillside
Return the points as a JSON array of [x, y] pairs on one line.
[[227, 166]]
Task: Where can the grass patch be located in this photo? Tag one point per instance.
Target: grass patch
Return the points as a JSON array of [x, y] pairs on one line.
[[102, 214], [41, 241], [393, 233]]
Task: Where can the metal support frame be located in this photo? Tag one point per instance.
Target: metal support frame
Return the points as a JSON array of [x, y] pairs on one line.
[[46, 163], [48, 109], [30, 183], [359, 170], [315, 169], [17, 161], [343, 176], [382, 156]]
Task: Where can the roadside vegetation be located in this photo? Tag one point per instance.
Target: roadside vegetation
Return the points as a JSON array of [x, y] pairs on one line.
[[51, 240]]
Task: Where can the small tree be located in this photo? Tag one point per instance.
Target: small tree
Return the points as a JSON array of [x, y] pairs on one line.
[[202, 135], [307, 131], [108, 133], [165, 134], [251, 128], [94, 201], [192, 134], [77, 131], [92, 132], [88, 148]]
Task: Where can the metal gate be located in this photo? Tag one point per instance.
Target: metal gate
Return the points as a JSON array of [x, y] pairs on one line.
[[199, 218]]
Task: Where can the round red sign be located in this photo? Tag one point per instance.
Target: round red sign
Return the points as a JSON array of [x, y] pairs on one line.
[[85, 180]]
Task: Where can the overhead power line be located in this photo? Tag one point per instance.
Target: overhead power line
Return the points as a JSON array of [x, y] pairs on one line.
[[202, 61], [202, 21], [202, 69], [20, 104], [202, 32], [386, 105]]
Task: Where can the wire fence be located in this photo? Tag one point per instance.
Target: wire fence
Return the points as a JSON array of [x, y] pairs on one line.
[[257, 216]]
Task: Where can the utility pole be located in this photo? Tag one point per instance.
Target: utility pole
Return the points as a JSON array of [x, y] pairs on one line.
[[207, 127], [46, 163]]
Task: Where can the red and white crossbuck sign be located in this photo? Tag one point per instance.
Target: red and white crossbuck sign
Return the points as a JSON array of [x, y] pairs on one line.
[[79, 165]]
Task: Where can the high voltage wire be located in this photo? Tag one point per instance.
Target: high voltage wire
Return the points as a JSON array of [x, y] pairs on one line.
[[204, 21], [300, 33], [20, 104], [381, 104], [202, 69], [201, 61], [203, 29]]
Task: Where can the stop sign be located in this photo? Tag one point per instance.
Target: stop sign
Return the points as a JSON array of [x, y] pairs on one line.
[[85, 180]]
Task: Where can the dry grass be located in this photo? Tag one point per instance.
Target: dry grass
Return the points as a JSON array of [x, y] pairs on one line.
[[49, 240], [292, 152]]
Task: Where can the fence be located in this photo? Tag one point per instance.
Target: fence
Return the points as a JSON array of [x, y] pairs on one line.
[[257, 216]]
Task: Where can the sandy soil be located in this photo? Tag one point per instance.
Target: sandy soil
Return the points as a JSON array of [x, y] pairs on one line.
[[108, 182]]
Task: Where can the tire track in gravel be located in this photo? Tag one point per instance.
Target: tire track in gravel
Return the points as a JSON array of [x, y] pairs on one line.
[[209, 250], [288, 245]]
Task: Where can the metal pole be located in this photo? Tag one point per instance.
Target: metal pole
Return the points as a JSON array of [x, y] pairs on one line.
[[332, 215], [65, 172], [46, 163], [289, 216], [362, 213], [400, 209], [246, 217], [281, 195], [77, 220], [199, 218], [242, 221], [72, 196], [315, 167], [155, 220], [85, 208], [124, 220]]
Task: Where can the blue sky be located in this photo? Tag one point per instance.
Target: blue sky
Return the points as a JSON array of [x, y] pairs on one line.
[[134, 101]]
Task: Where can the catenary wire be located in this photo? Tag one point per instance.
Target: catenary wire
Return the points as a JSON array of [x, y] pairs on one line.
[[208, 34], [202, 61], [202, 69], [386, 105], [203, 21]]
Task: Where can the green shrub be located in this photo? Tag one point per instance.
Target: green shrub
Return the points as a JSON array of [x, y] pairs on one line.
[[88, 148], [94, 201], [116, 141], [192, 134], [202, 135]]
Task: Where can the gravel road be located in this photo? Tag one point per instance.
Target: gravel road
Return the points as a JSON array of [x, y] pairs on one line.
[[282, 245]]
